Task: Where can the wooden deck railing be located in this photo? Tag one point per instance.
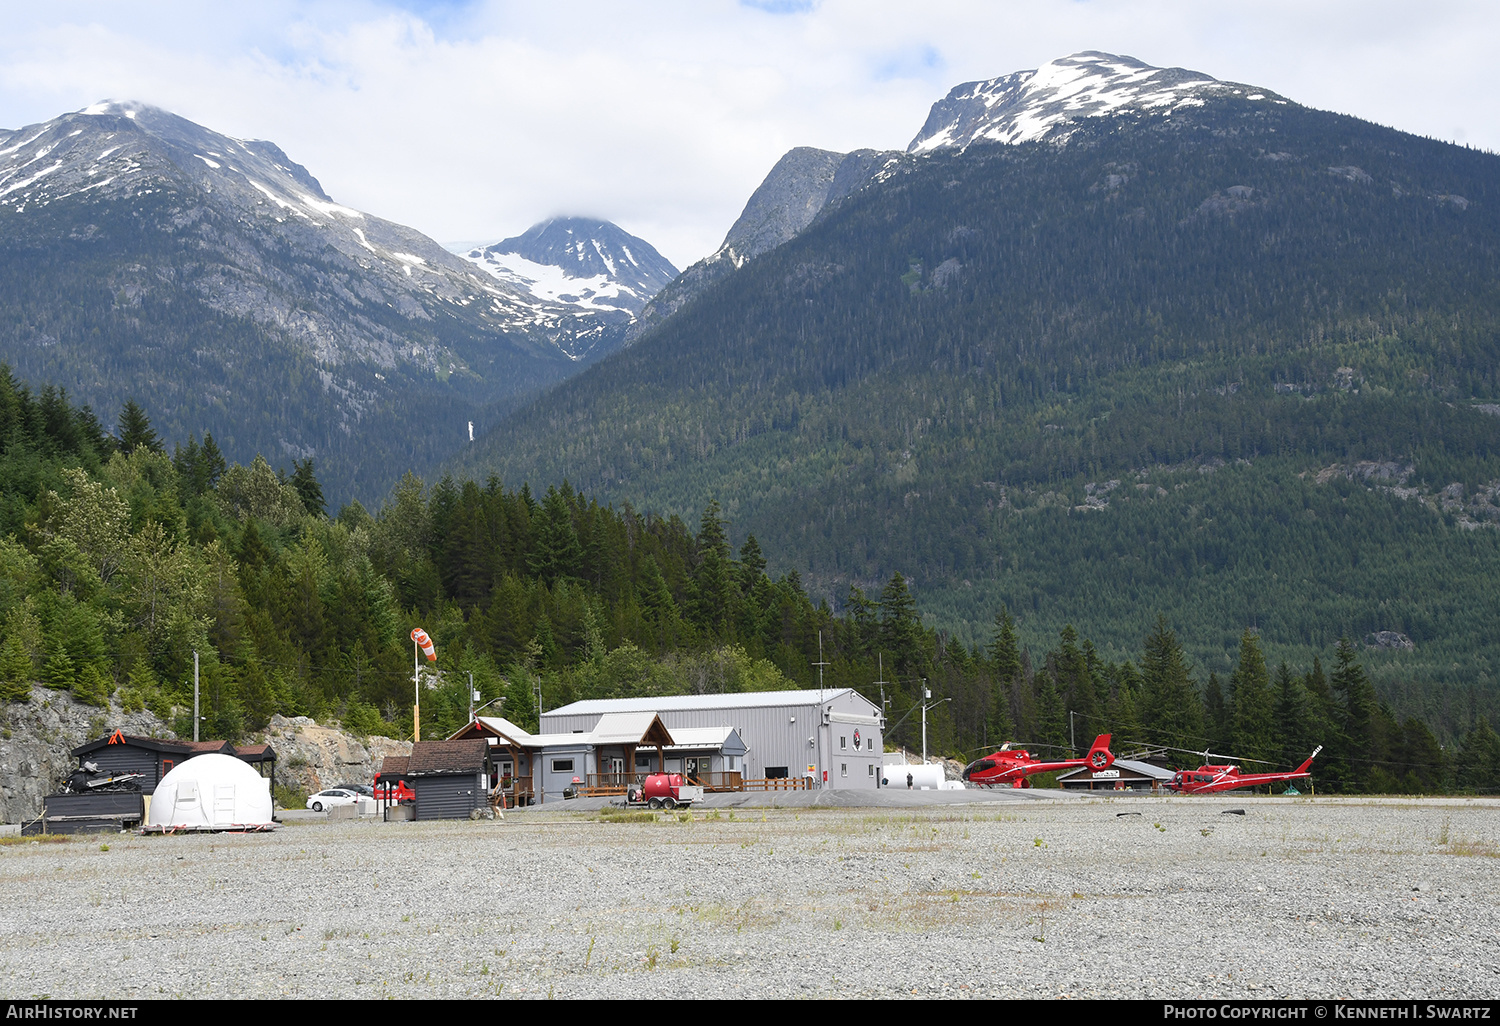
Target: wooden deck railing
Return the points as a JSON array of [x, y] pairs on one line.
[[609, 784]]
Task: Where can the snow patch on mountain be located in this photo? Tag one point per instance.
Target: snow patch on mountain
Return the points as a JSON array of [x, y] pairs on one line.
[[586, 263], [1048, 103], [115, 150]]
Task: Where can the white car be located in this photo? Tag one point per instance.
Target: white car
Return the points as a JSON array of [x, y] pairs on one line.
[[328, 799]]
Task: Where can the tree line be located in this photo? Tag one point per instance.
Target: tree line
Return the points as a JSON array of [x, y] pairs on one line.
[[119, 561]]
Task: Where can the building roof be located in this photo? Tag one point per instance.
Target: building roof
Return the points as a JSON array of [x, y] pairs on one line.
[[158, 744], [675, 703], [394, 766], [503, 727], [631, 728], [433, 758], [256, 753], [209, 747], [188, 749], [698, 738]]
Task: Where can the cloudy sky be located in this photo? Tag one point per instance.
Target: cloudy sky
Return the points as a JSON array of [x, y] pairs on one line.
[[472, 120]]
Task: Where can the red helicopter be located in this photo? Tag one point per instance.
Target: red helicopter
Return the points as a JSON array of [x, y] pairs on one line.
[[1209, 779], [1012, 768]]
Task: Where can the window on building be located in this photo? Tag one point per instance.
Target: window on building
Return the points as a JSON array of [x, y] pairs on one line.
[[871, 768], [562, 765], [776, 772], [869, 744], [843, 742], [843, 769]]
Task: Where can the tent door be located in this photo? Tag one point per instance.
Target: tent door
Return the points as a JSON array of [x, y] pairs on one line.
[[224, 803]]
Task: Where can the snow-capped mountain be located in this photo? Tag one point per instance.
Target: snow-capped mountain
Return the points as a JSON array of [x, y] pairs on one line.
[[306, 326], [583, 262], [1048, 103], [115, 150], [1025, 106]]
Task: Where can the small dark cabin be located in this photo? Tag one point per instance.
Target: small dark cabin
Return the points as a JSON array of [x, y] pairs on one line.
[[449, 778]]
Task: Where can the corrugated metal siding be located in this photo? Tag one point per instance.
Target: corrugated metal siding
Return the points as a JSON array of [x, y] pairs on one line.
[[107, 803], [447, 797], [113, 759], [770, 735]]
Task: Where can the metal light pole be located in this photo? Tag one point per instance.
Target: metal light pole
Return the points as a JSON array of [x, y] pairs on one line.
[[926, 694], [821, 712]]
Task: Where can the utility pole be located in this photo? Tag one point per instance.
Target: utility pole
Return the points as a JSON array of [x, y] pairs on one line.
[[926, 696], [195, 695], [819, 725]]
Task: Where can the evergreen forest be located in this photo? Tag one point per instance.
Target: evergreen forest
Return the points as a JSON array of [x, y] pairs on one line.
[[119, 560], [1239, 367]]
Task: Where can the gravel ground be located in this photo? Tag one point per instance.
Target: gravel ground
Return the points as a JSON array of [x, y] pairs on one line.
[[1003, 896]]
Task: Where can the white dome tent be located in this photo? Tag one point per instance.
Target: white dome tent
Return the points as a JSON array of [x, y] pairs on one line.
[[210, 792]]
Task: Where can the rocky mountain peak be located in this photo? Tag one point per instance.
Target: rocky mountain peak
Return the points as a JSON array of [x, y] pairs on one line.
[[1047, 103], [586, 262]]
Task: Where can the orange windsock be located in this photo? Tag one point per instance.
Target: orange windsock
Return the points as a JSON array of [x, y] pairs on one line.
[[420, 637]]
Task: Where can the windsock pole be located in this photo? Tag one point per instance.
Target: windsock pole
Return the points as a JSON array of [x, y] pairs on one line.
[[416, 693]]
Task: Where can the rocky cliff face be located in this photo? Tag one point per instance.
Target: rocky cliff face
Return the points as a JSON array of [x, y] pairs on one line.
[[801, 186], [38, 735], [310, 757]]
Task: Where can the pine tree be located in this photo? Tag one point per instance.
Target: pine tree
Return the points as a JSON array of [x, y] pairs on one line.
[[15, 671], [556, 553], [752, 564], [1005, 659], [92, 686], [135, 430], [1478, 760], [713, 604], [1252, 728], [1173, 712], [307, 487], [1295, 717], [211, 463], [1358, 750], [900, 628], [1075, 685], [1216, 718]]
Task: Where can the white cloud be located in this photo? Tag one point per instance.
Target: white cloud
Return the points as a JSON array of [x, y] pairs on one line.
[[471, 121]]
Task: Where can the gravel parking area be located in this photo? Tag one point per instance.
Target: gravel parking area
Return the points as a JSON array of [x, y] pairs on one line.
[[1004, 897]]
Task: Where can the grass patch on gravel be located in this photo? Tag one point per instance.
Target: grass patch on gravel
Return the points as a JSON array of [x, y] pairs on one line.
[[1485, 849], [44, 839], [626, 816]]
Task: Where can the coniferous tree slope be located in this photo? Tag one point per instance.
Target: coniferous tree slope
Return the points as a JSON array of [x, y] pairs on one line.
[[1000, 370]]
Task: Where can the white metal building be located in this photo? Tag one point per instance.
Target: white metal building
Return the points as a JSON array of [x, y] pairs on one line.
[[835, 736]]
